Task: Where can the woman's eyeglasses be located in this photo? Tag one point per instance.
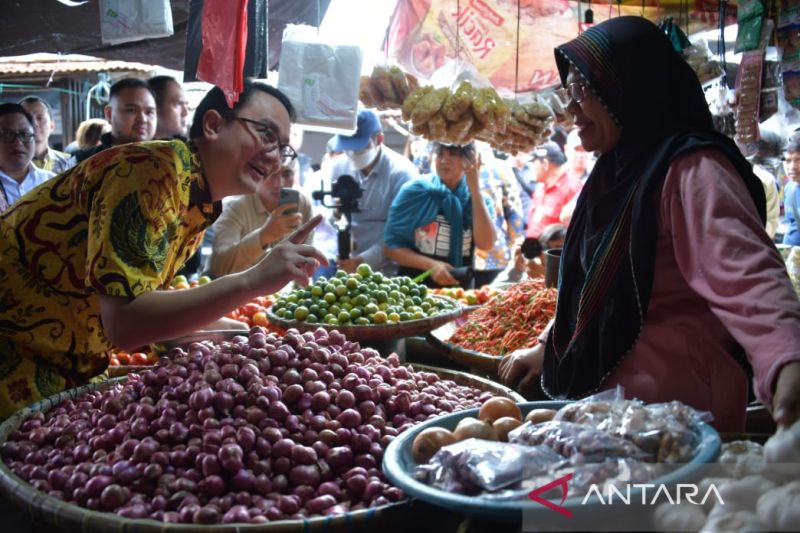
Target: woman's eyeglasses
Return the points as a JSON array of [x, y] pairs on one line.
[[9, 136], [575, 91], [270, 141]]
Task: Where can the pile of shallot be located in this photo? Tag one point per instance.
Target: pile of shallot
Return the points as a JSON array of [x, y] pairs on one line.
[[256, 429]]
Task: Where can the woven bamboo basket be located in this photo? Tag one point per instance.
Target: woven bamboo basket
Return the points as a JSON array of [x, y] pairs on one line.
[[67, 517], [377, 332]]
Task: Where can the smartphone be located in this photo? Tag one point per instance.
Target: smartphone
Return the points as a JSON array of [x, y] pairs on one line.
[[289, 196], [531, 248]]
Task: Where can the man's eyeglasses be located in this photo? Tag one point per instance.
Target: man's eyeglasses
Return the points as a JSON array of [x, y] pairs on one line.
[[575, 91], [270, 140], [9, 136]]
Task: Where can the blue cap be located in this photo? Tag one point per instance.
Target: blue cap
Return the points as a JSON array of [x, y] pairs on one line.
[[368, 126]]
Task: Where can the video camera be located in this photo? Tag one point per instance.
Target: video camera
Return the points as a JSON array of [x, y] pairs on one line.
[[347, 190]]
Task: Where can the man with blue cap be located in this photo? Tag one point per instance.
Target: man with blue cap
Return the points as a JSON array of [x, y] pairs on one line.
[[381, 172]]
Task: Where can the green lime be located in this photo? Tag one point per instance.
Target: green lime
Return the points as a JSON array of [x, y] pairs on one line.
[[355, 314], [351, 283], [395, 295], [330, 297], [332, 321], [346, 307], [362, 321], [416, 299], [364, 270], [340, 290], [418, 315], [334, 309], [330, 287], [361, 300], [394, 317], [343, 317], [381, 296], [292, 298], [336, 282], [345, 299], [383, 306], [316, 290], [312, 319], [341, 273], [377, 277], [423, 291], [380, 317], [314, 309], [370, 309], [425, 306], [405, 289], [404, 316]]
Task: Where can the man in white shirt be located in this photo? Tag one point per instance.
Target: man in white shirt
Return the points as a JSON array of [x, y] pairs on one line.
[[380, 172], [18, 175]]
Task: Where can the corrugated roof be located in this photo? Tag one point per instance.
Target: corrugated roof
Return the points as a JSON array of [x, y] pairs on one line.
[[46, 64]]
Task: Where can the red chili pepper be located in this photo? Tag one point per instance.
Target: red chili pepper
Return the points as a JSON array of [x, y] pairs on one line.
[[509, 321]]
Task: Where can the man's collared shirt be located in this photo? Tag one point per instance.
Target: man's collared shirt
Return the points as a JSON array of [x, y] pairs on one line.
[[55, 161], [14, 190]]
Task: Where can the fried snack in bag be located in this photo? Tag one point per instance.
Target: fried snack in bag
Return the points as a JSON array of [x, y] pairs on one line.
[[366, 94], [383, 81], [458, 132], [413, 99], [458, 102], [437, 126], [399, 84], [481, 104], [429, 105], [420, 129]]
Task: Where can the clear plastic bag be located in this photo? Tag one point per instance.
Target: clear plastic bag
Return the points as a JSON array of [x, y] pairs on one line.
[[474, 466], [321, 79], [578, 442], [134, 20], [667, 432]]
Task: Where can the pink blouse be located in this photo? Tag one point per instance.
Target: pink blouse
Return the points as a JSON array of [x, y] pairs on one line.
[[718, 280]]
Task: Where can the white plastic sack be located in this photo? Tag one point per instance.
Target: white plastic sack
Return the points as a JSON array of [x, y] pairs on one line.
[[320, 79], [122, 21]]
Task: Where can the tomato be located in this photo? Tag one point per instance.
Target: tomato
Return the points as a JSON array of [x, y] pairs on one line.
[[260, 319], [250, 309], [112, 360], [262, 301], [139, 358], [459, 293], [123, 358]]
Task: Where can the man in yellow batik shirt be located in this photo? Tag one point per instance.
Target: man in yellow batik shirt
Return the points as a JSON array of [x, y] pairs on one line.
[[81, 256]]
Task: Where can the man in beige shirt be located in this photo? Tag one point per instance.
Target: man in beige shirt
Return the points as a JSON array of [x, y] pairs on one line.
[[251, 224]]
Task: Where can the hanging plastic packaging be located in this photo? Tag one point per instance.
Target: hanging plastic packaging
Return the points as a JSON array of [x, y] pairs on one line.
[[224, 42], [320, 79], [123, 21]]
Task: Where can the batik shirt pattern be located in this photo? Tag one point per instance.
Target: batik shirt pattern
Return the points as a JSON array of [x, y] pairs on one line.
[[119, 224]]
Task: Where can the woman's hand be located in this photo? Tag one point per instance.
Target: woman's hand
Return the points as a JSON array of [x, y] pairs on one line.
[[472, 169], [287, 261], [535, 268], [786, 402], [441, 274], [522, 368], [280, 223]]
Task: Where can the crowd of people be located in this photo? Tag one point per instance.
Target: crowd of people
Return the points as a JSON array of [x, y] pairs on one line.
[[664, 225]]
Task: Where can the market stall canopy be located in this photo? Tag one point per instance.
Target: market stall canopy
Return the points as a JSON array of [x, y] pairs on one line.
[[44, 66], [51, 26]]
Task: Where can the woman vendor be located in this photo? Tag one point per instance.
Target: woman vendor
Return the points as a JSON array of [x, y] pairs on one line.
[[435, 222], [83, 254], [667, 276]]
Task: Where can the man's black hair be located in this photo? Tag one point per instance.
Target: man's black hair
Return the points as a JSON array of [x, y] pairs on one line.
[[128, 83], [158, 86], [215, 100], [37, 100], [10, 109]]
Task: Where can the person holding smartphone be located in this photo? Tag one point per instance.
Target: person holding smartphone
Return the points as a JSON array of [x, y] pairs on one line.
[[251, 224], [436, 221]]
